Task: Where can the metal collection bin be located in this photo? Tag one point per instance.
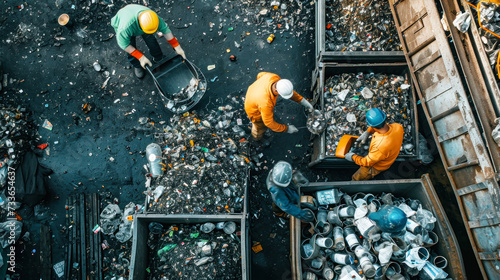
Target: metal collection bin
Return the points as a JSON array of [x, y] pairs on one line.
[[245, 202], [139, 262], [319, 157], [346, 56], [420, 189]]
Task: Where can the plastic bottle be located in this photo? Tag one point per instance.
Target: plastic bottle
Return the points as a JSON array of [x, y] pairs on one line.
[[365, 263], [413, 227], [347, 212], [153, 154], [338, 237], [350, 237], [341, 258], [349, 273]]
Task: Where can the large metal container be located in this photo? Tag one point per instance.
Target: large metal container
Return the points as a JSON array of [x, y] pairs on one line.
[[139, 261], [459, 113], [346, 56], [319, 157], [420, 189]]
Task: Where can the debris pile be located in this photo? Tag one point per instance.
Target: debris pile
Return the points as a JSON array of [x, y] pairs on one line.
[[206, 164], [316, 122], [188, 91], [348, 96], [269, 16], [354, 25], [188, 251], [17, 133], [372, 235]]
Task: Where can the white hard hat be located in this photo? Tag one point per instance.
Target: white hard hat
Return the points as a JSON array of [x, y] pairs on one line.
[[284, 88]]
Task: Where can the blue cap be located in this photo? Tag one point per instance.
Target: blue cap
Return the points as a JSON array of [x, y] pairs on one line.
[[375, 117]]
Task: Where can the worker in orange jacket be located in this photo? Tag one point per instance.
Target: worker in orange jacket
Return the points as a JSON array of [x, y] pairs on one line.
[[384, 147], [261, 99]]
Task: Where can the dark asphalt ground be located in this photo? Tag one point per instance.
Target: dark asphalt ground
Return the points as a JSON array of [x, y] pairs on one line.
[[104, 149]]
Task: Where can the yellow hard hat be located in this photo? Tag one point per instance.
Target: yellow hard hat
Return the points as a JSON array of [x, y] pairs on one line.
[[148, 20]]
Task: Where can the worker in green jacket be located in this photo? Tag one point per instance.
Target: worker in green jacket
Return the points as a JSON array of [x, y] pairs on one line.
[[136, 20]]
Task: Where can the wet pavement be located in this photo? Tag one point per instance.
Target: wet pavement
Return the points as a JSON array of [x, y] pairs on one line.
[[102, 149]]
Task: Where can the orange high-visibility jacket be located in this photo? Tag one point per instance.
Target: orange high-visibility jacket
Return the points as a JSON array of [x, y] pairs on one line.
[[260, 101], [384, 148]]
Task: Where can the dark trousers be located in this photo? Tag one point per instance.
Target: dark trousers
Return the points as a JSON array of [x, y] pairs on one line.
[[153, 46]]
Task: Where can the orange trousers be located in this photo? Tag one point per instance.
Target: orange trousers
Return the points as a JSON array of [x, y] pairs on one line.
[[365, 173], [258, 130]]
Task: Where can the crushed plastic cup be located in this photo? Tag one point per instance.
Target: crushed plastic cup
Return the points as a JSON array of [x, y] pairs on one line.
[[207, 227], [229, 227]]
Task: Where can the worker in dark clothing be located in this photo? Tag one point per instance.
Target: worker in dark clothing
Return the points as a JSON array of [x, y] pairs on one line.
[[284, 196], [135, 20], [384, 147]]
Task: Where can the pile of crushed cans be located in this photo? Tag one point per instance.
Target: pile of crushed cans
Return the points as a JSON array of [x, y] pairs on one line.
[[195, 251], [372, 236], [349, 96], [354, 25], [199, 164]]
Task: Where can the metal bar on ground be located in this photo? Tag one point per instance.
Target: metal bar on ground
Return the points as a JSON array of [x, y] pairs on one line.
[[83, 246]]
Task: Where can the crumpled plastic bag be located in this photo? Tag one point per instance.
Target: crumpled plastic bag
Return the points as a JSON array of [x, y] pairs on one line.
[[5, 230], [425, 218], [407, 209], [462, 22], [125, 232], [385, 250], [110, 218], [342, 95]]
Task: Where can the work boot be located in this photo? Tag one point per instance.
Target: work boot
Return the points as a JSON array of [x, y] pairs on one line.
[[139, 72]]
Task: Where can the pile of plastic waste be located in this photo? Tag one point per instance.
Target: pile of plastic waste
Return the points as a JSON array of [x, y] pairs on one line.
[[355, 25], [348, 96], [269, 16], [188, 91], [17, 133], [194, 251], [370, 235], [199, 164]]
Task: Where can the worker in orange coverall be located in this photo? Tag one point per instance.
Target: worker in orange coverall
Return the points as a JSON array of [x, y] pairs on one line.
[[260, 101], [384, 147]]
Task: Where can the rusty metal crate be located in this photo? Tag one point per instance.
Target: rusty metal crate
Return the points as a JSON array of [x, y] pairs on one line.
[[319, 157], [420, 189]]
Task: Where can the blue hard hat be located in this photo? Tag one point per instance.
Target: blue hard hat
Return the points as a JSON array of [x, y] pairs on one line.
[[389, 218], [281, 174], [375, 117]]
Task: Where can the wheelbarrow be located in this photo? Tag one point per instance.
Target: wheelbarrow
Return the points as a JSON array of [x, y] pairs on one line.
[[181, 84]]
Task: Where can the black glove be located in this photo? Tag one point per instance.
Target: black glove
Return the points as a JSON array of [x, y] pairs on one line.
[[299, 179]]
